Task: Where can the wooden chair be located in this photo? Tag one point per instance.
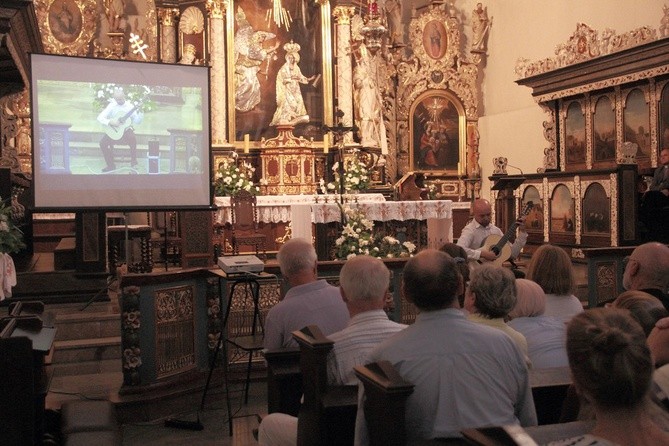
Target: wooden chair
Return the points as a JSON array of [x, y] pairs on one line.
[[327, 414], [245, 223]]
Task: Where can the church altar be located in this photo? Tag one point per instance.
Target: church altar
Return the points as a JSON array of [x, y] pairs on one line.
[[277, 208]]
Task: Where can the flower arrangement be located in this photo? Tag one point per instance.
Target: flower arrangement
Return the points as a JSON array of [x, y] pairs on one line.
[[11, 237], [356, 175], [357, 238], [139, 95], [232, 177]]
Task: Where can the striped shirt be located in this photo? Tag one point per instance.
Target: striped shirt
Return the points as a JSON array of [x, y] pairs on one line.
[[352, 344]]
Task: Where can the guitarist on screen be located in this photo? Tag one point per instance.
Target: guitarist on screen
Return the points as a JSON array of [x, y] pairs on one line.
[[118, 118], [475, 233]]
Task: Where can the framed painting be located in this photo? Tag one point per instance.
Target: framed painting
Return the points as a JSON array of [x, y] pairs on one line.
[[575, 144], [663, 127], [67, 26], [534, 222], [562, 210], [437, 126], [596, 211], [435, 39], [277, 60], [636, 121], [604, 130]]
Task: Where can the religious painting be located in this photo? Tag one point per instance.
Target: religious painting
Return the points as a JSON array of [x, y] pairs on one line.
[[65, 20], [534, 221], [636, 122], [435, 39], [596, 215], [278, 72], [67, 25], [575, 143], [437, 129], [562, 210], [604, 130], [663, 130]]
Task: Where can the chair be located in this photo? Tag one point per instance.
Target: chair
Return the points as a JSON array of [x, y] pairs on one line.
[[245, 223]]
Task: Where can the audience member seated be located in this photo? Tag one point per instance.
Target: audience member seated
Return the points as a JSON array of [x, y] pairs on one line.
[[309, 301], [655, 202], [459, 256], [363, 283], [490, 296], [644, 308], [551, 268], [612, 369], [465, 374], [658, 341], [647, 270], [480, 227], [545, 335]]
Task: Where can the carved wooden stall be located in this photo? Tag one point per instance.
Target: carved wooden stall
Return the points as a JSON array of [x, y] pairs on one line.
[[607, 97]]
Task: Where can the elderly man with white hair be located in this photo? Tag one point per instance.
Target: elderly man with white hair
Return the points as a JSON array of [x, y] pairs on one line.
[[647, 270]]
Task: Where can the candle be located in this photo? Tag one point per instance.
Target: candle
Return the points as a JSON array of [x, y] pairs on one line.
[[326, 143], [247, 143], [459, 169]]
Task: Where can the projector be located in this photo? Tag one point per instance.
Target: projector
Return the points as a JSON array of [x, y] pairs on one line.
[[241, 264]]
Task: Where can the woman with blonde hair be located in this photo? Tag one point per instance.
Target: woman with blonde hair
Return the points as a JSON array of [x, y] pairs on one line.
[[612, 369], [551, 268], [545, 335]]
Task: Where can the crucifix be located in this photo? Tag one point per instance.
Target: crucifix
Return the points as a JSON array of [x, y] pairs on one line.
[[339, 131]]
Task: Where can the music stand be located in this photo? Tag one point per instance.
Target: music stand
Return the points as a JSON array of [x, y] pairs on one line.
[[505, 204]]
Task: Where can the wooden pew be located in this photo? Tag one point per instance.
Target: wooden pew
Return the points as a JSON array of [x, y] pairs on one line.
[[386, 394], [327, 414], [284, 381], [549, 390]]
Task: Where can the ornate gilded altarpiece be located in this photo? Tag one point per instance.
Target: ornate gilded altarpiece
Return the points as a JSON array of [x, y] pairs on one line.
[[436, 104]]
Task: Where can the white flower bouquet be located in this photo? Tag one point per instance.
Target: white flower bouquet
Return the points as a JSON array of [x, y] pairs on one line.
[[232, 177]]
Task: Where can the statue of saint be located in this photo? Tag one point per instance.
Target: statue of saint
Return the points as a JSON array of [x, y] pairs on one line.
[[189, 56], [394, 18], [249, 56], [368, 102], [290, 108], [480, 27]]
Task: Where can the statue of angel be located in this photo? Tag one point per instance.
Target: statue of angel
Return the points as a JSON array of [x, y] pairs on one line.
[[480, 28]]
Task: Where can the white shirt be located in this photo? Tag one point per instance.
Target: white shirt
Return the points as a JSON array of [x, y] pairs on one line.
[[562, 307], [474, 234]]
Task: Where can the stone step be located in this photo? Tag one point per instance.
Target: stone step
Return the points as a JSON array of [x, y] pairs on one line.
[[86, 367], [81, 325], [83, 350]]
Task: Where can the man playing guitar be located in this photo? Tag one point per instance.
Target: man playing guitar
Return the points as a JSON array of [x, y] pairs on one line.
[[118, 118], [475, 233]]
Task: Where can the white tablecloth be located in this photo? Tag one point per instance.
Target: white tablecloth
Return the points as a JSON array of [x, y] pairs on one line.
[[277, 208], [438, 214]]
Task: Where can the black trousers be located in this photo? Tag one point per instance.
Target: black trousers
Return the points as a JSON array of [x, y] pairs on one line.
[[107, 146]]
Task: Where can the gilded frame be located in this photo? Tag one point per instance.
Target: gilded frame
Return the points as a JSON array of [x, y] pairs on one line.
[[319, 15], [70, 34], [436, 118]]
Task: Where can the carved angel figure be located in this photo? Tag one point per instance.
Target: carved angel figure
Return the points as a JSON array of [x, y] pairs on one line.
[[249, 56]]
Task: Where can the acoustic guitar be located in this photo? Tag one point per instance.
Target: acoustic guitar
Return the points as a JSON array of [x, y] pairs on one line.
[[500, 244], [116, 132]]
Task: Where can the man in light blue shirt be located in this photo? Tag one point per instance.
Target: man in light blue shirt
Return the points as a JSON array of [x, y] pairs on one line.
[[466, 375]]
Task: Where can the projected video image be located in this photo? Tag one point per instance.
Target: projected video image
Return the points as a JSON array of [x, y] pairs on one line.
[[88, 128]]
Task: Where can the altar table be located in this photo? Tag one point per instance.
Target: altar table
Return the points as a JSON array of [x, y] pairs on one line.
[[437, 213]]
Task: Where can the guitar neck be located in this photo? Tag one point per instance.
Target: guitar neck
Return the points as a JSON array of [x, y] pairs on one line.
[[507, 235]]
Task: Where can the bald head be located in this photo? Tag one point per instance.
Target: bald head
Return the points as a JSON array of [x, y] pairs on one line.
[[482, 211], [648, 267], [431, 281], [364, 281]]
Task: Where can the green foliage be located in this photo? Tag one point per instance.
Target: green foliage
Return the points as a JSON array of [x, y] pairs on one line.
[[139, 95], [11, 237]]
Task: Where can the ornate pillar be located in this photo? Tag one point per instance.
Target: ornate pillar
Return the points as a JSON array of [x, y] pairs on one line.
[[168, 34], [343, 15], [218, 78]]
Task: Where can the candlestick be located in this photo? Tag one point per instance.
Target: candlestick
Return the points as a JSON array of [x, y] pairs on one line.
[[326, 143], [247, 143], [459, 169]]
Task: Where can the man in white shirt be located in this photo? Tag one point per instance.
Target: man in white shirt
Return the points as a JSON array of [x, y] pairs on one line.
[[364, 282], [476, 231]]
